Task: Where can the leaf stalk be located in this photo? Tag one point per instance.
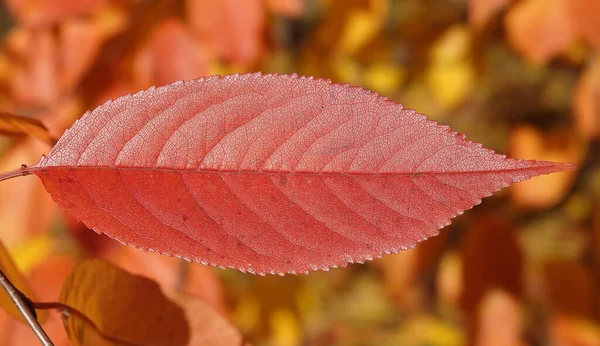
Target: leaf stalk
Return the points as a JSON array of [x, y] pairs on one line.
[[20, 172]]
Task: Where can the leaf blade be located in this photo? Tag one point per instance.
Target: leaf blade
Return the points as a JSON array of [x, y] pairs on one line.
[[270, 173]]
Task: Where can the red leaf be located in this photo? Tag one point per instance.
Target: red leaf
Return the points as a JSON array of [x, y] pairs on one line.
[[233, 29], [270, 173], [47, 12]]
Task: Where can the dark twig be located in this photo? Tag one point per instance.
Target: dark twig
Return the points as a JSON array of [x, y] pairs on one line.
[[22, 303], [69, 311]]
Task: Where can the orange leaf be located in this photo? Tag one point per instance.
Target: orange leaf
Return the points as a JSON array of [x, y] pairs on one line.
[[45, 12], [207, 327], [576, 298], [172, 54], [497, 265], [35, 80], [122, 307], [234, 29], [12, 124], [569, 330], [80, 43], [586, 101], [531, 143], [481, 11], [585, 20], [172, 273], [540, 29], [14, 275], [289, 8], [499, 320]]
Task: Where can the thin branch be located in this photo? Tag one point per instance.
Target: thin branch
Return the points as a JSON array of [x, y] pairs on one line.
[[70, 311], [22, 304]]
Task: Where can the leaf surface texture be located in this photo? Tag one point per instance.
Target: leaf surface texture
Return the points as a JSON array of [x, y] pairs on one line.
[[270, 173]]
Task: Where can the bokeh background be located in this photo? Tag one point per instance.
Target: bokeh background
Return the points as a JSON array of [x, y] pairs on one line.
[[520, 76]]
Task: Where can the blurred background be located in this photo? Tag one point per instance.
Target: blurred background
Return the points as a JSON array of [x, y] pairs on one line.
[[520, 76]]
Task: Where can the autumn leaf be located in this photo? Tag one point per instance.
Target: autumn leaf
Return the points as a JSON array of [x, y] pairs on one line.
[[172, 54], [44, 12], [572, 330], [586, 101], [35, 79], [172, 273], [584, 14], [480, 11], [125, 309], [269, 173], [207, 327], [545, 192], [231, 28], [540, 29], [289, 8], [12, 124], [575, 299], [497, 265], [9, 268], [499, 320], [120, 308]]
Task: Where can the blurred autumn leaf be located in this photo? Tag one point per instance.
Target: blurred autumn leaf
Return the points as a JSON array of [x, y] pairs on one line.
[[124, 309], [586, 100], [529, 142], [491, 260], [207, 327], [12, 124], [119, 308], [43, 12], [500, 321], [11, 271], [481, 11], [540, 29]]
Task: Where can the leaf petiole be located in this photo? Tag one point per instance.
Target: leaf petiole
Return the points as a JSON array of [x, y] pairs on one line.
[[69, 311], [21, 172]]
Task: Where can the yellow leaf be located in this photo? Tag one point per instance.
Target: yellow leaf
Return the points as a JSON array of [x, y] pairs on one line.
[[453, 46], [451, 84], [450, 75], [122, 307], [32, 252], [449, 278], [385, 78], [285, 328], [426, 330], [12, 124], [18, 280], [247, 314], [347, 69], [362, 26]]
